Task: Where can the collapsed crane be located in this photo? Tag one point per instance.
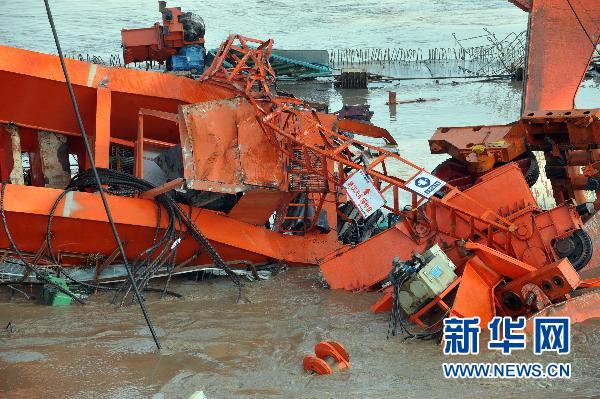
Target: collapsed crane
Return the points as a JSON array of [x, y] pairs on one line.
[[511, 256], [558, 30], [267, 179]]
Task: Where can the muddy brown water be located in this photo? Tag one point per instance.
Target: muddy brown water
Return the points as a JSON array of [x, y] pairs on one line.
[[250, 350], [255, 350]]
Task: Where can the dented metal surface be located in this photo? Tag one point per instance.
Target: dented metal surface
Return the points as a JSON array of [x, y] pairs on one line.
[[225, 150]]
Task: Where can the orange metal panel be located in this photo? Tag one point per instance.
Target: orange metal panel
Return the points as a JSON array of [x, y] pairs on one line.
[[80, 226], [503, 142], [262, 163], [384, 304], [102, 136], [502, 201], [134, 81], [568, 128], [558, 33], [534, 230], [39, 81], [370, 262], [524, 5], [210, 152], [555, 280], [6, 157], [500, 263], [142, 44], [475, 295], [579, 309], [557, 223], [225, 150], [139, 148], [141, 36]]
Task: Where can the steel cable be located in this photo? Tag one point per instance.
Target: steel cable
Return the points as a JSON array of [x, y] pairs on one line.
[[162, 252], [90, 155], [39, 274]]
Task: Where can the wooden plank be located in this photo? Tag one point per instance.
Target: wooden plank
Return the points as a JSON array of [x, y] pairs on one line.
[[173, 184]]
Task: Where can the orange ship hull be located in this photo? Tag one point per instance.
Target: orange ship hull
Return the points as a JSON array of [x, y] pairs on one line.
[[111, 101]]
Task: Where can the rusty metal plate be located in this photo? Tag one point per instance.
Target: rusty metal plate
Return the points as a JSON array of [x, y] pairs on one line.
[[225, 150]]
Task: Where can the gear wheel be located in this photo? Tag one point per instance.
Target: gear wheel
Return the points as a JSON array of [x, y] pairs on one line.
[[529, 161], [455, 173], [577, 247]]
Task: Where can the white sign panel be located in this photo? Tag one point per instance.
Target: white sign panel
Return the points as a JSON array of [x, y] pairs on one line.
[[363, 193], [425, 184]]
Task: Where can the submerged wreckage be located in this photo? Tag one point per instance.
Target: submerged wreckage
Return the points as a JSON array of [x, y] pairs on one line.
[[222, 171]]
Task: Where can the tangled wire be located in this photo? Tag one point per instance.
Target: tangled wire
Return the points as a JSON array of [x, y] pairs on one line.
[[163, 250], [399, 276]]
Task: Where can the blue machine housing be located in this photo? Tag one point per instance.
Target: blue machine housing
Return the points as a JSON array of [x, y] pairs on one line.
[[189, 58]]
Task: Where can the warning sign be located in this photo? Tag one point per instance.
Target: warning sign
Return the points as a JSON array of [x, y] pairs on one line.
[[363, 193], [425, 184]]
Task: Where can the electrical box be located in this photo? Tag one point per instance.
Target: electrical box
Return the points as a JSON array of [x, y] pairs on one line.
[[431, 280]]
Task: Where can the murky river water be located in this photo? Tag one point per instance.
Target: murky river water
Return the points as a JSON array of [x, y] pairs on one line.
[[250, 350], [255, 350]]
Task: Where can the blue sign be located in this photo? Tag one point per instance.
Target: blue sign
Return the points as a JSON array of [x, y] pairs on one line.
[[425, 184], [422, 182]]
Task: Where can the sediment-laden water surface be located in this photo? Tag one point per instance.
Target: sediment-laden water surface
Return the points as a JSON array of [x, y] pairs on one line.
[[255, 349]]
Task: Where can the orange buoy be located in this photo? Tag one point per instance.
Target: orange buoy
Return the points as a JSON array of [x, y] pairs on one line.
[[327, 354]]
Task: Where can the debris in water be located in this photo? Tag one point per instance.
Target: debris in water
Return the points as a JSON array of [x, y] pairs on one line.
[[329, 356], [392, 100], [352, 78], [357, 112]]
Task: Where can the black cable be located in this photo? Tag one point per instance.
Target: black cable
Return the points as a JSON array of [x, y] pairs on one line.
[[171, 265], [119, 183], [395, 317], [90, 155], [397, 278], [39, 274], [50, 219], [17, 290], [80, 182]]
